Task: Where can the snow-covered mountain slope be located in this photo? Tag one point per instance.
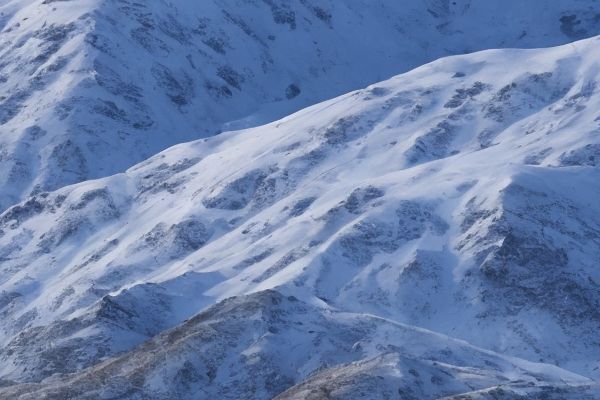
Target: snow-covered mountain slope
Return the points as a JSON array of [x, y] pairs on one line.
[[459, 197], [91, 87], [254, 347]]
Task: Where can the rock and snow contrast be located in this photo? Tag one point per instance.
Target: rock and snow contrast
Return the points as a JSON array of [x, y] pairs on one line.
[[92, 87], [432, 236], [436, 235]]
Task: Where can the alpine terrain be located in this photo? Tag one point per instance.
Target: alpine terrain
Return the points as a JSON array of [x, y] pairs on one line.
[[92, 87], [435, 235]]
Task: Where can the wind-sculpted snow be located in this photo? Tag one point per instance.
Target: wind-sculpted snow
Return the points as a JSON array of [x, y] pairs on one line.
[[458, 197], [91, 87]]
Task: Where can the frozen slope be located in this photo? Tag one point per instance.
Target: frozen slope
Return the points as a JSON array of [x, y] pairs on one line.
[[89, 88], [255, 347], [459, 197]]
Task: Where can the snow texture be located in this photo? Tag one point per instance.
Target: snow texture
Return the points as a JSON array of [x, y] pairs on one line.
[[91, 87], [372, 245]]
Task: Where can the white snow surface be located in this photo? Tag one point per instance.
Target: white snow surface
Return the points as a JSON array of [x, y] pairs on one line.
[[91, 87], [460, 197]]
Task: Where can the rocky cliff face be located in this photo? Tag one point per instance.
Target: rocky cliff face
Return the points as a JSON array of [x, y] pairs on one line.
[[458, 197], [89, 88]]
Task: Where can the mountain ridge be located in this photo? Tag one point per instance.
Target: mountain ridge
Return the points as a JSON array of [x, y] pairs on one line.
[[457, 197], [93, 87], [421, 363]]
